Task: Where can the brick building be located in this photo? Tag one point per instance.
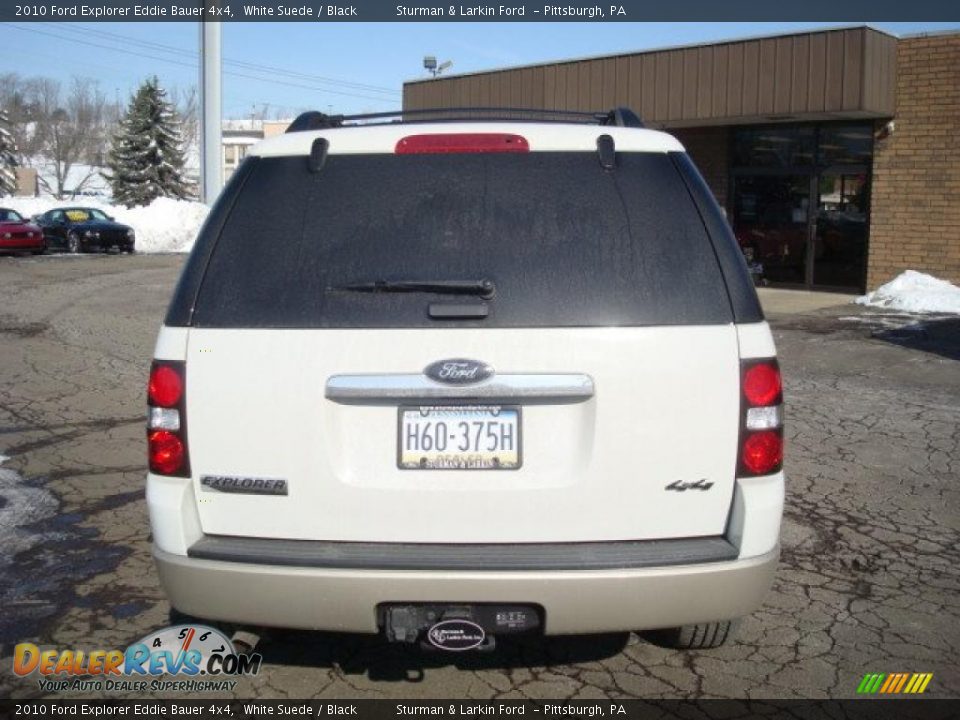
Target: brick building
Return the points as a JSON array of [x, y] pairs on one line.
[[915, 214], [836, 153]]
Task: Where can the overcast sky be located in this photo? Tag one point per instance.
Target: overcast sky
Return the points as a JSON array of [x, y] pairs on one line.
[[340, 67]]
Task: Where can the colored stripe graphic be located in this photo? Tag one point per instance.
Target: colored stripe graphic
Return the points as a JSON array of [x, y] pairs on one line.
[[870, 683], [899, 687], [894, 683], [891, 683], [918, 683]]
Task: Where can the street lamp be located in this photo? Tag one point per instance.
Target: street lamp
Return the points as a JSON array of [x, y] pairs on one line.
[[430, 65]]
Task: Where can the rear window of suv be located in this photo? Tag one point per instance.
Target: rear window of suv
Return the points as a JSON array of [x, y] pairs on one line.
[[565, 242]]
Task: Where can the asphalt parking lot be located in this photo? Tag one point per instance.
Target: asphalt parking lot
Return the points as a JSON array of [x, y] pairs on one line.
[[869, 579]]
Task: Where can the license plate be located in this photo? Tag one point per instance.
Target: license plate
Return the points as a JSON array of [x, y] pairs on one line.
[[476, 437]]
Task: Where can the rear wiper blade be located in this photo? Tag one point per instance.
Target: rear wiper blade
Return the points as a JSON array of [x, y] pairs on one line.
[[482, 288]]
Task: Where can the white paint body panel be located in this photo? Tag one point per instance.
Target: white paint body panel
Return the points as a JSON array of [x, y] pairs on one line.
[[665, 408], [172, 505], [756, 341], [171, 344], [754, 526], [756, 514]]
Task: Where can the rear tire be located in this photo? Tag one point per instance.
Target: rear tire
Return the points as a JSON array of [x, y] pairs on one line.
[[701, 636]]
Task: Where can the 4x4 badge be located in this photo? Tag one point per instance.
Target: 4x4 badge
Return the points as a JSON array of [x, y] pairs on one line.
[[458, 371], [681, 486]]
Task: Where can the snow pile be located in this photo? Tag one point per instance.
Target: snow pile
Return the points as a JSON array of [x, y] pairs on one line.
[[913, 291], [165, 225]]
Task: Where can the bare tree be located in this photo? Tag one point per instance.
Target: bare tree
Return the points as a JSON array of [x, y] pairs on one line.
[[18, 96], [71, 134], [187, 104]]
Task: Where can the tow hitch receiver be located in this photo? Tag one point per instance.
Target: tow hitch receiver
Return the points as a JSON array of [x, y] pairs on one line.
[[456, 628]]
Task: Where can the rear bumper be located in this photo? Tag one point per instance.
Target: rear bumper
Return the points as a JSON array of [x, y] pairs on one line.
[[621, 586], [451, 557], [573, 601], [20, 245], [105, 245]]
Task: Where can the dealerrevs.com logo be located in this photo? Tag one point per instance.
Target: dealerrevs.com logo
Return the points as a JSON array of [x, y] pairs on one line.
[[199, 658]]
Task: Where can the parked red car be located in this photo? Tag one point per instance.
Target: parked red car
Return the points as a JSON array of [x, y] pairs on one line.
[[18, 234]]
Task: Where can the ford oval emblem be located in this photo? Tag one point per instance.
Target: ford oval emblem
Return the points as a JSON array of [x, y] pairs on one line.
[[458, 371], [456, 635]]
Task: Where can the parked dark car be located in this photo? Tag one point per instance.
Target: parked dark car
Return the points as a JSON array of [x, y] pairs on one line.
[[18, 234], [81, 229]]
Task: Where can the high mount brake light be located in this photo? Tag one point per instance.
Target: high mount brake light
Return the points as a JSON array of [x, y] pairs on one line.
[[166, 426], [440, 143], [761, 429]]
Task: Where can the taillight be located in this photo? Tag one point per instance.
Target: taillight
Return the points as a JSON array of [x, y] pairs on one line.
[[166, 386], [762, 452], [761, 384], [462, 143], [761, 430], [166, 452], [166, 421]]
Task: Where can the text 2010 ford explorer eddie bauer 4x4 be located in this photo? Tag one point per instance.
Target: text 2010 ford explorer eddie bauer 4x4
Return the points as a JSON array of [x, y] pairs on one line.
[[452, 380]]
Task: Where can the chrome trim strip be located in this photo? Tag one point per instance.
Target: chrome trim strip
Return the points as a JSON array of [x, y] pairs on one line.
[[480, 556], [531, 388]]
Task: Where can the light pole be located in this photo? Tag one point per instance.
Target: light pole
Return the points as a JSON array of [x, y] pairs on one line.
[[211, 163]]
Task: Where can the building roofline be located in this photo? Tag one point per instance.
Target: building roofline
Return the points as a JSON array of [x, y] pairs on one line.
[[931, 33], [666, 48]]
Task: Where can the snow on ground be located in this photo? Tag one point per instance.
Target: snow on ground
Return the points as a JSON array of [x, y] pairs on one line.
[[87, 180], [22, 505], [915, 292], [166, 225]]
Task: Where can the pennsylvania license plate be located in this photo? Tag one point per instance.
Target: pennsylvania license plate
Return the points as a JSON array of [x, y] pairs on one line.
[[475, 437]]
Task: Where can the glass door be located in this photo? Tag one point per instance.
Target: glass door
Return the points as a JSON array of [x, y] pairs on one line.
[[800, 202], [771, 221], [840, 239]]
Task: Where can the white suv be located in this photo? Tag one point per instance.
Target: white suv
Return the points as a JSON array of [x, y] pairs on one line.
[[456, 379]]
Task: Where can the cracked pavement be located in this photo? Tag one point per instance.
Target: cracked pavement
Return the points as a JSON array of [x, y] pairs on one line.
[[869, 579]]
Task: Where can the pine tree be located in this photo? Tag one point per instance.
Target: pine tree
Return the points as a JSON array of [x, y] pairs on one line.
[[8, 158], [146, 158]]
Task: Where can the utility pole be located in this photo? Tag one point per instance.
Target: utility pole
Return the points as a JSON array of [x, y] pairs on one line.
[[211, 162]]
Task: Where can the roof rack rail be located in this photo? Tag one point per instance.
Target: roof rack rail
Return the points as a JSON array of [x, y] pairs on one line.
[[314, 120]]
